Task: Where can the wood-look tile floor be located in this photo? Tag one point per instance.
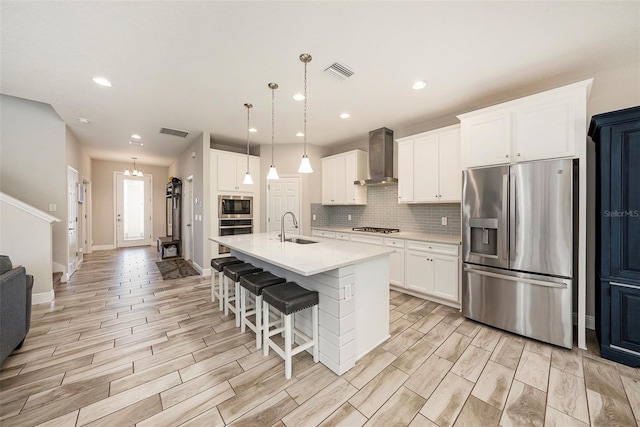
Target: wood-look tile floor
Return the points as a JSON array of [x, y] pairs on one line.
[[120, 346]]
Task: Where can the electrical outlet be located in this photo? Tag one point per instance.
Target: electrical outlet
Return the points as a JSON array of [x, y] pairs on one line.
[[52, 207], [444, 220], [349, 217], [314, 217]]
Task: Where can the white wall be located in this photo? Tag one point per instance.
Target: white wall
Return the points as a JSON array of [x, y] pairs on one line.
[[33, 164], [197, 165], [28, 245], [103, 192]]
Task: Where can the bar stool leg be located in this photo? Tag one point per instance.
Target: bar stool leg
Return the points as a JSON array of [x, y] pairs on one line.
[[226, 296], [314, 319], [213, 286], [265, 328], [242, 307], [238, 300], [287, 346], [220, 289], [258, 321]]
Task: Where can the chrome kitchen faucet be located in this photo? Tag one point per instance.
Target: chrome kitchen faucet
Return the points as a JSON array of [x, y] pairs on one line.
[[295, 224]]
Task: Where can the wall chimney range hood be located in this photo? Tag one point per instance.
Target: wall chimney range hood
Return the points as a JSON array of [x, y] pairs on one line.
[[380, 158]]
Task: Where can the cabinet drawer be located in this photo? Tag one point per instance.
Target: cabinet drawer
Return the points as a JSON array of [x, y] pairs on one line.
[[323, 233], [394, 243], [342, 236], [372, 240], [438, 248]]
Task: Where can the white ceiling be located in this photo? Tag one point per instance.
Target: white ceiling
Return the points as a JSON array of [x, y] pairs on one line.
[[192, 65]]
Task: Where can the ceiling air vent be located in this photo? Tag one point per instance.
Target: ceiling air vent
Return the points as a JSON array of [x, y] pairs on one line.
[[174, 132], [339, 71]]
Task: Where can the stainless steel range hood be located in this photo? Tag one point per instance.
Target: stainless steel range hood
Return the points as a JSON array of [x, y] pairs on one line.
[[380, 158]]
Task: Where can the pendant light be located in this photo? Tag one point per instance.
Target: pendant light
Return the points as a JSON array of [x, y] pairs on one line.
[[305, 165], [135, 171], [273, 173], [247, 176]]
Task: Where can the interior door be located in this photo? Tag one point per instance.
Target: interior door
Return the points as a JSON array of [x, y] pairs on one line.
[[283, 196], [133, 210], [72, 219]]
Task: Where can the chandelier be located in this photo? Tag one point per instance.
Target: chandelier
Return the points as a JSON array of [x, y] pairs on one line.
[[135, 171]]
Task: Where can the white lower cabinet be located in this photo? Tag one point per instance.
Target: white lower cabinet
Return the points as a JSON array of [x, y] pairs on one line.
[[432, 269], [396, 261], [426, 268]]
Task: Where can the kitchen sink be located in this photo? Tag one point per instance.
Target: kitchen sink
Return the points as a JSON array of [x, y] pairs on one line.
[[300, 241]]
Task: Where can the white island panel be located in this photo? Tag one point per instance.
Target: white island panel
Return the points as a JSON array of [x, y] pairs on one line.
[[353, 286]]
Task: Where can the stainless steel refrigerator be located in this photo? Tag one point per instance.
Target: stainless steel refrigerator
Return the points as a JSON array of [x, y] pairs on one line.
[[518, 248]]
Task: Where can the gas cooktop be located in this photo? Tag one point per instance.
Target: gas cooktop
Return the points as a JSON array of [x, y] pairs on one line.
[[376, 230]]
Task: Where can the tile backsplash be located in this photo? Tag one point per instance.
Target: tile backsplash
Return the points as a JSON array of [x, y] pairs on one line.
[[382, 210]]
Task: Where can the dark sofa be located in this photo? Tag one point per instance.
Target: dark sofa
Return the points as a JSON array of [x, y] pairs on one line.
[[15, 306]]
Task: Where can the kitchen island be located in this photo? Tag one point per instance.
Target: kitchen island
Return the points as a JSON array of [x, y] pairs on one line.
[[351, 278]]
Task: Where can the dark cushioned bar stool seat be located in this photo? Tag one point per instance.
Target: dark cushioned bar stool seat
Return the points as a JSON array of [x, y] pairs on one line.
[[235, 272], [290, 298], [218, 265], [255, 283]]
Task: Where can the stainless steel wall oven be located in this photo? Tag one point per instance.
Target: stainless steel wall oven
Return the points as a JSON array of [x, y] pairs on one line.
[[235, 207], [235, 215]]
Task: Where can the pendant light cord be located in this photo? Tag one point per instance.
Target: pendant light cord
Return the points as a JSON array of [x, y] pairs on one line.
[[248, 133], [305, 109], [273, 113]]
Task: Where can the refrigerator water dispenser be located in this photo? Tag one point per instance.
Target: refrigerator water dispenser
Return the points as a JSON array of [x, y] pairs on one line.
[[484, 236]]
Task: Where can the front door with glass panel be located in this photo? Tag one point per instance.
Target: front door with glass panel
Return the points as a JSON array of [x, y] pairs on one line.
[[133, 211]]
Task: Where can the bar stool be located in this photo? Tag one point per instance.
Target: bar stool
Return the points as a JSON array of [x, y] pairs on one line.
[[289, 298], [235, 272], [255, 283], [219, 264]]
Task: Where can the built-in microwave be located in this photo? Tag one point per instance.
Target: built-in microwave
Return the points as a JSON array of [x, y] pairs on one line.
[[235, 207]]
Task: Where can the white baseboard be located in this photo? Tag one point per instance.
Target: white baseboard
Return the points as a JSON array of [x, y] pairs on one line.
[[43, 297], [589, 321], [103, 247], [203, 272]]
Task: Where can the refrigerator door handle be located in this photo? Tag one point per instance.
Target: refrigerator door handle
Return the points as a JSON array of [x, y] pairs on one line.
[[512, 216], [505, 202], [516, 279]]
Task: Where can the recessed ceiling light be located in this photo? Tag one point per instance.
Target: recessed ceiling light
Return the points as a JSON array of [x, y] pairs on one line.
[[136, 136], [136, 143], [345, 115], [102, 81], [420, 84], [253, 130], [299, 134], [83, 120], [298, 97]]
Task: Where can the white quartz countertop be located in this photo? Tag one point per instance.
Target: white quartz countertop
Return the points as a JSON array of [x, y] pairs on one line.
[[407, 235], [307, 259]]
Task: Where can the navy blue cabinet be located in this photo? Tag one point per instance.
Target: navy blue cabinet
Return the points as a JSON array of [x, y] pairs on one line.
[[617, 138]]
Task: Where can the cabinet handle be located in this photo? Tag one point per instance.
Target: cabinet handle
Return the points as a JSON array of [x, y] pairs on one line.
[[518, 154], [507, 156]]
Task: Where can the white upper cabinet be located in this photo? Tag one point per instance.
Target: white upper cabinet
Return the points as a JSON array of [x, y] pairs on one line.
[[547, 125], [338, 174], [429, 167], [231, 169]]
